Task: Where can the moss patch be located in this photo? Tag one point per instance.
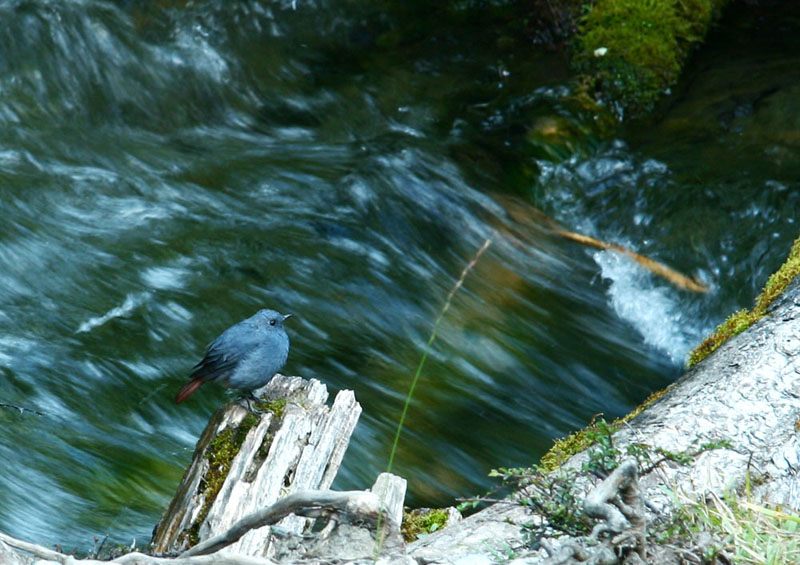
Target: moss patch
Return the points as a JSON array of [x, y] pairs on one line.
[[574, 443], [221, 452], [421, 521], [219, 455], [743, 319], [647, 402], [583, 439], [629, 51], [276, 406]]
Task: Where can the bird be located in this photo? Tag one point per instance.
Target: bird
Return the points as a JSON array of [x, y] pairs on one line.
[[245, 356]]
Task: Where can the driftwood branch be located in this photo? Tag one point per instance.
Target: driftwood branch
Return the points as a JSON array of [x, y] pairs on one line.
[[363, 509], [678, 279], [32, 548], [348, 506]]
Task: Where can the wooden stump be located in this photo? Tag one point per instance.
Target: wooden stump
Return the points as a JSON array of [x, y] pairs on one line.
[[243, 463]]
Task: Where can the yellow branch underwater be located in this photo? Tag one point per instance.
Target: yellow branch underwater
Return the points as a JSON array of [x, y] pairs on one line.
[[678, 279]]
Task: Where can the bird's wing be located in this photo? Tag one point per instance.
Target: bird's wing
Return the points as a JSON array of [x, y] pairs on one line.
[[224, 353]]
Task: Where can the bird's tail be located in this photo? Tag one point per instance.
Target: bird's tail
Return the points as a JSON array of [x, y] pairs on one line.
[[188, 389]]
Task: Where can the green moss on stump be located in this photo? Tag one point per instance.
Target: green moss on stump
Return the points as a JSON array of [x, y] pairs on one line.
[[220, 454], [276, 406], [421, 521], [629, 51], [743, 319]]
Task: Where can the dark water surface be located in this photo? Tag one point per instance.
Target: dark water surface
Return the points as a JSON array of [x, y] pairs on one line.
[[166, 169]]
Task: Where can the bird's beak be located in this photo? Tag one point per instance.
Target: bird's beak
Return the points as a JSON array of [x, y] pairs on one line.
[[287, 316]]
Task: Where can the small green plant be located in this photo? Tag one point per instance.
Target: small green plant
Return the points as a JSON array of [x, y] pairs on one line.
[[603, 456], [555, 496], [577, 442], [418, 372]]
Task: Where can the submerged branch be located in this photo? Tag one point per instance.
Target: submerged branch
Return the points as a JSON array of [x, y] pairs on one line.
[[660, 269], [525, 215]]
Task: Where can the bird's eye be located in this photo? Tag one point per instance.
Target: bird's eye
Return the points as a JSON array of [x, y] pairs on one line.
[[272, 322]]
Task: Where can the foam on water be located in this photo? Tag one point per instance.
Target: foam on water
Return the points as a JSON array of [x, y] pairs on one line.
[[132, 301], [649, 304]]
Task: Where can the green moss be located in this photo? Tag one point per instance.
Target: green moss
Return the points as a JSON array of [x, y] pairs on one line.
[[735, 324], [583, 439], [421, 521], [743, 319], [220, 454], [641, 408], [563, 449], [629, 51], [275, 406], [574, 443]]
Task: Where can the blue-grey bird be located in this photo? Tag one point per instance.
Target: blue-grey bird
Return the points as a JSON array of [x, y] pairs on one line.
[[245, 357]]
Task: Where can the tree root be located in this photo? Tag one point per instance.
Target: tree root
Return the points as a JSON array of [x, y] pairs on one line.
[[360, 509], [622, 533]]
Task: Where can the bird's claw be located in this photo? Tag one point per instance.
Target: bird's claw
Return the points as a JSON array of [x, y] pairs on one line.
[[249, 399]]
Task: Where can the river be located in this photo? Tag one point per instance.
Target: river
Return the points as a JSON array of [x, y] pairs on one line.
[[168, 168]]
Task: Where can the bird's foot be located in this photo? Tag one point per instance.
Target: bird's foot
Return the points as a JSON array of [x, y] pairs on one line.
[[249, 399]]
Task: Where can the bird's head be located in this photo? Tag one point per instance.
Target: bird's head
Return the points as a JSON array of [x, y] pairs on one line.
[[271, 318]]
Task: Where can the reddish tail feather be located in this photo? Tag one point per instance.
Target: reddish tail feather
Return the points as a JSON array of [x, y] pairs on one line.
[[188, 389]]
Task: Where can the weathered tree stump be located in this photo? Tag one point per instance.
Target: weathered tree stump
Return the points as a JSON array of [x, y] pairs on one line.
[[271, 469], [244, 463]]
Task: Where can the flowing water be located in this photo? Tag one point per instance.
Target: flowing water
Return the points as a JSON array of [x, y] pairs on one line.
[[167, 168]]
